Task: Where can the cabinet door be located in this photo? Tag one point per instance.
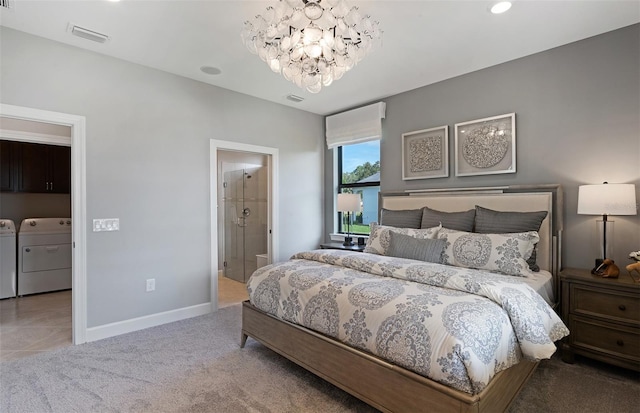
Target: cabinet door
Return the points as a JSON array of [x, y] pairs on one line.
[[60, 177], [35, 168], [8, 166]]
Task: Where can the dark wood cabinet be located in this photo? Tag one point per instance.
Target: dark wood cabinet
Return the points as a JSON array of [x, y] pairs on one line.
[[8, 169], [37, 168]]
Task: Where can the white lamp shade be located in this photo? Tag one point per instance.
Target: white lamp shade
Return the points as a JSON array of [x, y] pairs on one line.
[[348, 202], [607, 199]]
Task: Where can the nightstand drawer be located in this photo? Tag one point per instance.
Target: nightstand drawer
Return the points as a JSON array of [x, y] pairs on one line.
[[609, 304], [618, 341]]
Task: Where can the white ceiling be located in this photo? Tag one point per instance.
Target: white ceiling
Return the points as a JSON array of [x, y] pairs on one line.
[[424, 41]]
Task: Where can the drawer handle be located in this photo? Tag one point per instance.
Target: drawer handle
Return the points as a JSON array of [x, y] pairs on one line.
[[620, 343], [622, 307]]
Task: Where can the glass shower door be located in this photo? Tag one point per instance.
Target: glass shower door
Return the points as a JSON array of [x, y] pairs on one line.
[[245, 211]]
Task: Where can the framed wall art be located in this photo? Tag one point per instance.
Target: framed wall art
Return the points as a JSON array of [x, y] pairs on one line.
[[486, 146], [425, 153]]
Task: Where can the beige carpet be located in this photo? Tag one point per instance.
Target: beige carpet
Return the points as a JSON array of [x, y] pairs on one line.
[[196, 365]]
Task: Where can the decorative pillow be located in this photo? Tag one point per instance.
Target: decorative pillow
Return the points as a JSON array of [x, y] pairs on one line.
[[504, 253], [405, 246], [461, 221], [407, 218], [489, 221], [378, 241]]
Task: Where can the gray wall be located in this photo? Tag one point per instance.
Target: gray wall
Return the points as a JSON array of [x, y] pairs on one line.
[[18, 206], [577, 119], [147, 152]]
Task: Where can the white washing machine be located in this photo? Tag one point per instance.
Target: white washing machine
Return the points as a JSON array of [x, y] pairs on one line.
[[7, 258], [44, 255]]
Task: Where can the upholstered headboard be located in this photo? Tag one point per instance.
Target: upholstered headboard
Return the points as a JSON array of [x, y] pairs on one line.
[[519, 198]]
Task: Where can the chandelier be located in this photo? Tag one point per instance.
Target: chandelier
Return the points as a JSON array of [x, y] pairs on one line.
[[311, 42]]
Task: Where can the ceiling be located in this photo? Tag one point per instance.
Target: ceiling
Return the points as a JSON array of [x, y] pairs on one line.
[[423, 42]]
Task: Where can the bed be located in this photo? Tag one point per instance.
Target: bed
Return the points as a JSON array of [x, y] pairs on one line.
[[418, 335]]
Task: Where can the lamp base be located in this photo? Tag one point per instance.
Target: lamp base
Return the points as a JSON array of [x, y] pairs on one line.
[[348, 242]]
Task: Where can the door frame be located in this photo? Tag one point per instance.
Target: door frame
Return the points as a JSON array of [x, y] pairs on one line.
[[272, 155], [78, 202]]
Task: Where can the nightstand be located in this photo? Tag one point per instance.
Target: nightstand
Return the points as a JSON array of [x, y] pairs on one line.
[[339, 246], [603, 316]]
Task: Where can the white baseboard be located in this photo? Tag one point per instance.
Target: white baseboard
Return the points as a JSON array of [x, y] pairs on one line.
[[140, 323]]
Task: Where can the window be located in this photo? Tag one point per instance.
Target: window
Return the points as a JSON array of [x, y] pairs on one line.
[[359, 172]]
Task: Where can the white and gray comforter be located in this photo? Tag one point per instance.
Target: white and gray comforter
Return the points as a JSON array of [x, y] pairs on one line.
[[453, 325]]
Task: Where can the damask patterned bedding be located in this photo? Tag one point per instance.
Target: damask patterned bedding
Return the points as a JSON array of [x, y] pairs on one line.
[[457, 326]]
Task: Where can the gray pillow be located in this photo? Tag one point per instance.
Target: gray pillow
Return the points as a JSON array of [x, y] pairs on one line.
[[407, 218], [405, 246], [460, 221], [489, 221]]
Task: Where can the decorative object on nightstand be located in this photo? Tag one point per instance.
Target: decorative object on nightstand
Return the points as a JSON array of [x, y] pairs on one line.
[[603, 315], [608, 269], [635, 266], [348, 203], [606, 199]]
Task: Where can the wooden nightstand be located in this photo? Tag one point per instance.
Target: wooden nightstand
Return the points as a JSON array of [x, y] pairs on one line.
[[603, 315], [339, 246]]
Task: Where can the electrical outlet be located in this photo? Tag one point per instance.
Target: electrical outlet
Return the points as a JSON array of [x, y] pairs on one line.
[[151, 284]]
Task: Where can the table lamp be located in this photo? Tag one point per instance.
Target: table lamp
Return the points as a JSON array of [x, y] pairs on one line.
[[348, 203], [606, 199]]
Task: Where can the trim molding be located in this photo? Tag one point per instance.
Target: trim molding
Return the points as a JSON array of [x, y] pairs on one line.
[[20, 136], [78, 201], [140, 323]]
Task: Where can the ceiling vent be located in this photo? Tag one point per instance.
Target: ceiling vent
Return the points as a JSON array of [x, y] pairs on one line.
[[87, 34], [295, 98], [6, 4]]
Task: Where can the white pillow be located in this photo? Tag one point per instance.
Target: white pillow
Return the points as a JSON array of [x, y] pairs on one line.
[[503, 253], [379, 238]]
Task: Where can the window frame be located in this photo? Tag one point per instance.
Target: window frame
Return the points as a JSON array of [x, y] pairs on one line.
[[342, 186]]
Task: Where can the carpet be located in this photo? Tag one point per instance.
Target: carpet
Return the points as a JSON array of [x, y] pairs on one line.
[[196, 365]]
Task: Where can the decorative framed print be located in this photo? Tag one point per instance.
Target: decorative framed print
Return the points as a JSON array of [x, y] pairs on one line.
[[486, 146], [425, 153]]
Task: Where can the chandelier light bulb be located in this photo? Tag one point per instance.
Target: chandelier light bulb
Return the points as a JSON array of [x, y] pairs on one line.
[[311, 43]]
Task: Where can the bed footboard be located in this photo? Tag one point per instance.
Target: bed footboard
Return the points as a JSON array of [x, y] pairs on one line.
[[378, 383]]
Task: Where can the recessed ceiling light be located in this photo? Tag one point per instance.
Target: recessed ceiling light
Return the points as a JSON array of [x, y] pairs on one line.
[[210, 70], [500, 7]]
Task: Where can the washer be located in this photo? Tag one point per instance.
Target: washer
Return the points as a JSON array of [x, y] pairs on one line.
[[44, 255], [7, 258]]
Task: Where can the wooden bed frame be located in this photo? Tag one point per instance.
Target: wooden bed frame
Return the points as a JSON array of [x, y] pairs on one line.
[[383, 385]]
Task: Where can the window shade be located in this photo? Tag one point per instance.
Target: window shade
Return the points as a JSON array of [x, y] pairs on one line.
[[355, 126]]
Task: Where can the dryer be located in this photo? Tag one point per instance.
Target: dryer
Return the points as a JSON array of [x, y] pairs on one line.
[[44, 255], [7, 258]]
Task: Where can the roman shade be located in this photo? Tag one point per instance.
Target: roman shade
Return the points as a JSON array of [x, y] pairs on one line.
[[355, 126]]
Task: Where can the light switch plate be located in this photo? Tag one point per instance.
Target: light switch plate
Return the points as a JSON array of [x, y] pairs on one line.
[[106, 224]]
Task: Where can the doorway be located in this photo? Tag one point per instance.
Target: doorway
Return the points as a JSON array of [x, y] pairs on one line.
[[78, 198], [243, 190]]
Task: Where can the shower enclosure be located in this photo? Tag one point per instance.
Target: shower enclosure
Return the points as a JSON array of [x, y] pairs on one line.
[[245, 219]]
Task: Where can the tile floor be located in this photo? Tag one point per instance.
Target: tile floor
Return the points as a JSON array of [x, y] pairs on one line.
[[42, 322], [34, 324]]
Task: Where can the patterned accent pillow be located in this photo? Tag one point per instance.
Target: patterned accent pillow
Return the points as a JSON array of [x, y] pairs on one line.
[[503, 253], [379, 239], [489, 221]]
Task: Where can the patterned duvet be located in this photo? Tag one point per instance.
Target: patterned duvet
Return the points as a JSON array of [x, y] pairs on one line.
[[453, 325]]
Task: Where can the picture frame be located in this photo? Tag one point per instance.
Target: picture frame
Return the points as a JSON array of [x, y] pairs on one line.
[[425, 153], [486, 146]]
